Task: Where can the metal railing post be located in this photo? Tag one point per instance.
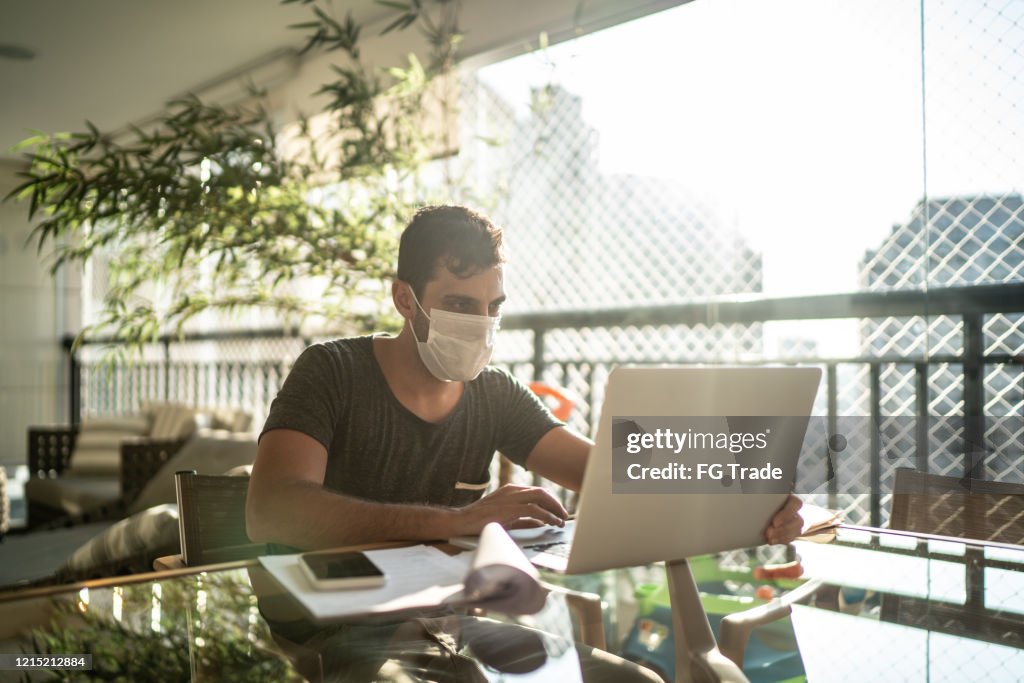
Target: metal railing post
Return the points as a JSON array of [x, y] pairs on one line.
[[538, 354], [974, 396], [167, 368], [74, 383], [921, 418], [875, 384], [832, 387]]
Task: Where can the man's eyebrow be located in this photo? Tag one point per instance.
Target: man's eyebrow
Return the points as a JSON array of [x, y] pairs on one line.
[[464, 298], [459, 298]]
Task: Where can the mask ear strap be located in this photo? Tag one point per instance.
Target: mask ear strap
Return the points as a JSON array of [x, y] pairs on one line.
[[413, 292], [412, 325]]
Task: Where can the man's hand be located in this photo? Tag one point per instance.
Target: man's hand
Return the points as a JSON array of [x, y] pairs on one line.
[[787, 522], [514, 507]]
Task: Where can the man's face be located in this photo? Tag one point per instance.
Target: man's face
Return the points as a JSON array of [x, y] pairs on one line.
[[482, 293]]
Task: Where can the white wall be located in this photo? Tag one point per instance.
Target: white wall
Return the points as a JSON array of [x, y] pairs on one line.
[[33, 318]]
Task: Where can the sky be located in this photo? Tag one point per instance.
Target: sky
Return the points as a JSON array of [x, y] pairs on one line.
[[802, 122]]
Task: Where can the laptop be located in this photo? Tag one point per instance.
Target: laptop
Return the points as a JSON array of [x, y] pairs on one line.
[[613, 528]]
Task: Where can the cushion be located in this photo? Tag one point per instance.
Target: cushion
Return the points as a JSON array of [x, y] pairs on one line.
[[128, 546], [96, 462], [97, 451], [171, 420], [137, 424], [208, 452], [231, 419], [74, 495]]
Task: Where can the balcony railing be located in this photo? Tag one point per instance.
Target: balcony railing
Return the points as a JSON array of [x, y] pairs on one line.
[[973, 364]]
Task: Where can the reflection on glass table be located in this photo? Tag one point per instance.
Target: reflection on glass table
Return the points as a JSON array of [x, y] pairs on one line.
[[236, 624], [879, 605], [904, 607], [885, 606]]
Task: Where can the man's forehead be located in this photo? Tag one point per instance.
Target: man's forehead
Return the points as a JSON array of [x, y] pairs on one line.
[[484, 283]]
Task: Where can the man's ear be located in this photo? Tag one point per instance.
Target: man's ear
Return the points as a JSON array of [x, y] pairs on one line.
[[401, 295]]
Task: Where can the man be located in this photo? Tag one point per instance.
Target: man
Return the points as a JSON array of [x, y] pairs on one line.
[[390, 438]]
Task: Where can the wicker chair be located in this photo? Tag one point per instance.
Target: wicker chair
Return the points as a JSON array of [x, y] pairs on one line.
[[971, 509], [949, 506], [49, 454]]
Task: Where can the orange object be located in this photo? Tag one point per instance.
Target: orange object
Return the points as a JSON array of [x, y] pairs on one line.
[[564, 404], [764, 592], [790, 570]]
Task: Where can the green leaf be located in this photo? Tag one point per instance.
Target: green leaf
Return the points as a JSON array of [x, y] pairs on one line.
[[33, 141], [143, 202], [401, 22]]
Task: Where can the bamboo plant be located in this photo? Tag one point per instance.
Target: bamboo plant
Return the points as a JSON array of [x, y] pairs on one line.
[[223, 208]]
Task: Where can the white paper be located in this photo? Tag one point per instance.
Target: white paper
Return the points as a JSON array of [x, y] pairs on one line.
[[816, 518], [415, 577], [498, 577]]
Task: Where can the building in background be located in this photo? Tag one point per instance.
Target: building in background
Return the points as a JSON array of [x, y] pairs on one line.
[[585, 240]]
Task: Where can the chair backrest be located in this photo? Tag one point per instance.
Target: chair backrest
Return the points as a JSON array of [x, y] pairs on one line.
[[564, 403], [950, 506], [211, 518]]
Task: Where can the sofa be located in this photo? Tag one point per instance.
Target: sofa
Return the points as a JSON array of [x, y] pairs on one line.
[[96, 469]]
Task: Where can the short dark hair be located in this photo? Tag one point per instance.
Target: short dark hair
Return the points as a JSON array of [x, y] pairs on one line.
[[456, 237]]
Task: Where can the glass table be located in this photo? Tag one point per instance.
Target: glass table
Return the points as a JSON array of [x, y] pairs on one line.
[[897, 606], [233, 622], [879, 605]]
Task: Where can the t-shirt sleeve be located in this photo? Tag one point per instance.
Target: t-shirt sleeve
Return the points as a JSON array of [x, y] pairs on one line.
[[309, 400], [527, 419]]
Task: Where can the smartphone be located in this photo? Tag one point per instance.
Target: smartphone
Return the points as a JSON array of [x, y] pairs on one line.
[[341, 570]]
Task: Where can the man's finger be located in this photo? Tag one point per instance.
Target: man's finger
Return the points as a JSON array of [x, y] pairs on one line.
[[784, 532], [519, 511], [789, 532], [545, 516], [543, 498], [788, 512], [524, 523]]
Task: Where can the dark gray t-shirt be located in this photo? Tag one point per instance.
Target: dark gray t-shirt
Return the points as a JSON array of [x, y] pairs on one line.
[[378, 450]]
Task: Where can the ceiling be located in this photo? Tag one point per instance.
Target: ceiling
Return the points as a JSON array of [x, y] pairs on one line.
[[117, 62], [114, 62]]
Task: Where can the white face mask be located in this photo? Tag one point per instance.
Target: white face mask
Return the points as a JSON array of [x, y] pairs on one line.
[[458, 345]]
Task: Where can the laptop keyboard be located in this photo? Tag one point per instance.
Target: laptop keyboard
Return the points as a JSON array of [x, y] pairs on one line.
[[558, 548]]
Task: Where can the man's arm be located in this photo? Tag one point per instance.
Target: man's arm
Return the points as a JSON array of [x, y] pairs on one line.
[[561, 456], [287, 504]]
